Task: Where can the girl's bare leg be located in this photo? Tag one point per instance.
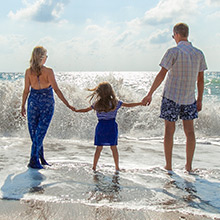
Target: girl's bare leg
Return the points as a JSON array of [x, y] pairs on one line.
[[96, 156], [115, 156]]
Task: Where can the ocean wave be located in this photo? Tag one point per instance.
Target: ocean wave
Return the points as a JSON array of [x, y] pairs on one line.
[[138, 122]]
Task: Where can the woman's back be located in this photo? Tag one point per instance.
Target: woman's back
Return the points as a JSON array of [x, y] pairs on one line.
[[40, 82]]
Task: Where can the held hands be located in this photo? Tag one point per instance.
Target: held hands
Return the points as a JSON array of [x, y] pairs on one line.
[[147, 100], [72, 108]]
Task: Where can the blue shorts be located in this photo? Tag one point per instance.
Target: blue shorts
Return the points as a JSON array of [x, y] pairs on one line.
[[170, 110]]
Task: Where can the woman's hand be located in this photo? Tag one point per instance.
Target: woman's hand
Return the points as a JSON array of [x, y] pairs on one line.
[[23, 111]]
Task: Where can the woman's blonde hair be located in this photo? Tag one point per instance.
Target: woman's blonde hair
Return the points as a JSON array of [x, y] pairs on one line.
[[104, 97], [37, 56]]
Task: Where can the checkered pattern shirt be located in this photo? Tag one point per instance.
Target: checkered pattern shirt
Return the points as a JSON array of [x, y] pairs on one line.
[[183, 63]]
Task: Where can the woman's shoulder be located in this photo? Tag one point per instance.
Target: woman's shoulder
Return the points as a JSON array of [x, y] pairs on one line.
[[44, 69], [47, 69], [28, 70]]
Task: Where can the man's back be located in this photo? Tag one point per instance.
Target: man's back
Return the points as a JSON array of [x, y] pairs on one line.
[[184, 62]]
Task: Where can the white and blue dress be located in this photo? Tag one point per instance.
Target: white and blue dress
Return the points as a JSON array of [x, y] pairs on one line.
[[106, 132]]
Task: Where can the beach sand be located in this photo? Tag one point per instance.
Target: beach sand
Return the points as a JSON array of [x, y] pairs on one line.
[[69, 190], [32, 210]]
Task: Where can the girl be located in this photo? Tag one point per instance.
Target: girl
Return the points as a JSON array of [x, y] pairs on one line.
[[106, 106]]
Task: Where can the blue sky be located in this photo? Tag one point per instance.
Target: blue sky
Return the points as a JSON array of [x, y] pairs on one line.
[[104, 35]]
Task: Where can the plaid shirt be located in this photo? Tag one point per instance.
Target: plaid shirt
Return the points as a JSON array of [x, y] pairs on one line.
[[183, 63]]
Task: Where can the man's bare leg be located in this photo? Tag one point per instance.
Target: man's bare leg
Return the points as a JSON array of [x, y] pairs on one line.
[[168, 143], [188, 126]]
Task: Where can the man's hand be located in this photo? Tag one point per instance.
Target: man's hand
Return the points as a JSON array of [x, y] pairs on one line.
[[199, 105], [147, 100]]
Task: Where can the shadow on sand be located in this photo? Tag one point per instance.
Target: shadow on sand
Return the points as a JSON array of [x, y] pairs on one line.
[[16, 186], [198, 193]]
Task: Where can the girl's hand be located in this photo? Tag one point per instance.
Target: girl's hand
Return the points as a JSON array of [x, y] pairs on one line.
[[83, 109], [23, 111], [75, 110]]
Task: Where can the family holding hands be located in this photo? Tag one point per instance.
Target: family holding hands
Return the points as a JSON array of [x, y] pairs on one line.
[[184, 65]]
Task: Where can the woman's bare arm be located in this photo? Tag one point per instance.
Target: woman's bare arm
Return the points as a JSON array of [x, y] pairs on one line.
[[25, 93], [56, 89]]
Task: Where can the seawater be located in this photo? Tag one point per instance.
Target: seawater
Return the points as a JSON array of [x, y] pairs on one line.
[[141, 186]]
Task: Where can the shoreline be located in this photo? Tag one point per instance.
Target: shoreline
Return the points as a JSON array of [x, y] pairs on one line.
[[33, 209]]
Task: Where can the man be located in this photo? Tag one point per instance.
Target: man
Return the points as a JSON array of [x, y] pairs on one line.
[[185, 65]]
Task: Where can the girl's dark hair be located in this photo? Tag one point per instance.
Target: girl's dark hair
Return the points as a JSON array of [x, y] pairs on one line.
[[104, 97]]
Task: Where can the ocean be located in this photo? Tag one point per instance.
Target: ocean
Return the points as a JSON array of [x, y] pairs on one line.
[[68, 189]]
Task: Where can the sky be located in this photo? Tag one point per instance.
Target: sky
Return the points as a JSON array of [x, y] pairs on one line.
[[104, 35]]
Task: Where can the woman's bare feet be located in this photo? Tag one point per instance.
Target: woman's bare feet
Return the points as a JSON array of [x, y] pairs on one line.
[[168, 168], [188, 168]]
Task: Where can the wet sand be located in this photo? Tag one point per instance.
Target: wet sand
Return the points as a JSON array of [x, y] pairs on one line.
[[32, 210]]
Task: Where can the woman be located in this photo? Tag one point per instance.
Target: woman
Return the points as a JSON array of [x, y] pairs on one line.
[[40, 108]]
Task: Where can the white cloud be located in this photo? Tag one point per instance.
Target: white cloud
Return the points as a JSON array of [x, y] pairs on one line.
[[214, 15], [161, 36], [124, 37], [213, 2], [12, 41], [93, 28], [102, 33], [41, 11], [168, 11]]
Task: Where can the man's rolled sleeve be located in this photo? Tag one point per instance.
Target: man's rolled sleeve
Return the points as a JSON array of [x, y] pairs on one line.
[[203, 65], [168, 59]]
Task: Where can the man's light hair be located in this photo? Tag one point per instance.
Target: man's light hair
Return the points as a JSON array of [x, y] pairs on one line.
[[181, 29]]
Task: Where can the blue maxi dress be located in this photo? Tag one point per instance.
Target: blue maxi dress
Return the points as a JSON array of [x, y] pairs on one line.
[[39, 113]]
